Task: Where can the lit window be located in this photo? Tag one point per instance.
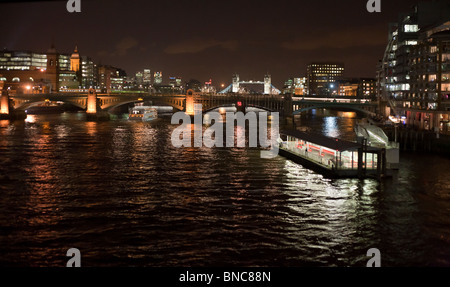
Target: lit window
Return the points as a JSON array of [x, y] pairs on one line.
[[411, 28]]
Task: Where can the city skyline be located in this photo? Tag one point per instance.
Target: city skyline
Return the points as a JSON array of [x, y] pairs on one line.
[[191, 40]]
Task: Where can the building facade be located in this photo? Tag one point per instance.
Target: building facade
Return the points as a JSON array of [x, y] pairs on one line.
[[111, 79], [175, 82], [147, 78], [356, 87], [295, 86], [322, 77], [413, 77], [22, 60], [46, 72], [157, 78], [88, 73]]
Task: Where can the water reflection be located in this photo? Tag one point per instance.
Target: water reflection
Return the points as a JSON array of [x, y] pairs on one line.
[[121, 191], [30, 119], [330, 127]]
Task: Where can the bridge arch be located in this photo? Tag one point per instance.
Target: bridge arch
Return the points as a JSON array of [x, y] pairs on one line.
[[190, 92], [26, 105], [334, 107], [113, 105], [209, 109], [261, 108]]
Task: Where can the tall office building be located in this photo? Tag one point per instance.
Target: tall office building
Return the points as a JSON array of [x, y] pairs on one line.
[[53, 72], [300, 86], [22, 60], [414, 75], [22, 69], [88, 72], [111, 78], [321, 77], [175, 82], [147, 77], [139, 78], [414, 28], [295, 86], [64, 62], [157, 78]]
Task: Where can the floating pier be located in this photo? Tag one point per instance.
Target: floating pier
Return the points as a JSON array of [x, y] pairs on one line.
[[334, 158]]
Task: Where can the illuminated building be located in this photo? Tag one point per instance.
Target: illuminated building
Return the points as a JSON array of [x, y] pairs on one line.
[[29, 72], [139, 78], [22, 60], [75, 61], [88, 72], [395, 69], [118, 80], [111, 78], [68, 80], [208, 88], [288, 86], [157, 78], [300, 86], [70, 77], [46, 72], [356, 87], [322, 77], [295, 86], [347, 88], [368, 87], [175, 82], [430, 71], [147, 77], [414, 75], [64, 62]]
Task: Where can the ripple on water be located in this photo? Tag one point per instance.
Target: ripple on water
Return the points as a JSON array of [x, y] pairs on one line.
[[122, 194]]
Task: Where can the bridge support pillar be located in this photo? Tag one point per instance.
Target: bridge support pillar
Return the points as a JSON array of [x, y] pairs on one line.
[[4, 103], [92, 110], [7, 112], [190, 103], [91, 102]]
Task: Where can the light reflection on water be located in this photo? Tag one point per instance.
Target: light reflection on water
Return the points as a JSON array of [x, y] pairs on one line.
[[122, 194]]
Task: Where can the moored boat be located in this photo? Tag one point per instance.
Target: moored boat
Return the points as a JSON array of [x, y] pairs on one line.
[[143, 113]]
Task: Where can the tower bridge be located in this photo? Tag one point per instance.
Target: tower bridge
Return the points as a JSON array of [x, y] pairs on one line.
[[251, 87]]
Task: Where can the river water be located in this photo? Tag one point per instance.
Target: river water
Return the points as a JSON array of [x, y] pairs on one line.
[[124, 196]]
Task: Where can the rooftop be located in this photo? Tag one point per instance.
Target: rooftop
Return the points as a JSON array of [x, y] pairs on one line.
[[331, 143]]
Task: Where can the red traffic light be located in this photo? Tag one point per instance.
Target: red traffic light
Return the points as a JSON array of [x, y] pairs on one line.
[[239, 104]]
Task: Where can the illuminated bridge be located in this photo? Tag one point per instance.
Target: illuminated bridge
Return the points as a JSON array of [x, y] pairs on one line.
[[363, 106], [93, 102]]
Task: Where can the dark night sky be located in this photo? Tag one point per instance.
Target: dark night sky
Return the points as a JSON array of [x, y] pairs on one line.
[[208, 39]]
